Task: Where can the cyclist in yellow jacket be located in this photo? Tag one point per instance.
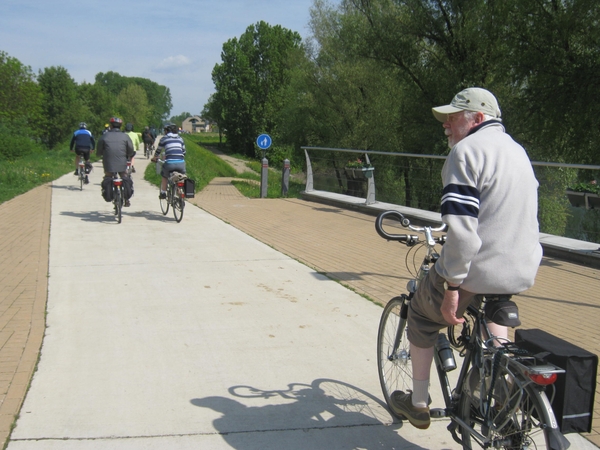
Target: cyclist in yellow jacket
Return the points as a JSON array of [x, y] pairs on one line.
[[135, 139]]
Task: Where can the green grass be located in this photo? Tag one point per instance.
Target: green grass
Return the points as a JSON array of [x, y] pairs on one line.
[[20, 175], [201, 165], [208, 139], [252, 190]]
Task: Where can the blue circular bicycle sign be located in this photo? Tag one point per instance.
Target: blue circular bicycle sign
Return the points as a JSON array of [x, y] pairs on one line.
[[264, 141]]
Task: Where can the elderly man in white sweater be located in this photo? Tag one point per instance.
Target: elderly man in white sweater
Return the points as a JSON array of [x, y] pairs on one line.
[[489, 203]]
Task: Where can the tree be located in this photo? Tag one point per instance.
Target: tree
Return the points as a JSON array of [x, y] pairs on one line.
[[98, 105], [250, 80], [133, 104], [158, 96], [20, 95], [213, 112], [554, 61], [61, 106]]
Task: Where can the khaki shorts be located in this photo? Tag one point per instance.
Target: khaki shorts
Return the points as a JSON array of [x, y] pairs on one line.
[[425, 318]]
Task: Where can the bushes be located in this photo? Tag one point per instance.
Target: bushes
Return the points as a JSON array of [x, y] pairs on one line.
[[16, 144]]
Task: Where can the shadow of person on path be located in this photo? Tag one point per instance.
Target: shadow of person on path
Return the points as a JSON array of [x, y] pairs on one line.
[[327, 414]]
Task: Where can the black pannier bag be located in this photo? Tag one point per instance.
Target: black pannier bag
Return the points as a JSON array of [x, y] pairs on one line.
[[573, 402], [106, 186], [189, 188], [127, 187]]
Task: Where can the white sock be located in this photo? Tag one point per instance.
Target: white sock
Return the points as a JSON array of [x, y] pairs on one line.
[[420, 395]]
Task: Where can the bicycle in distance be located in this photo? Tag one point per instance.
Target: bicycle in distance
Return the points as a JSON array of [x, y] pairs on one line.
[[148, 150], [175, 197], [118, 197], [500, 399]]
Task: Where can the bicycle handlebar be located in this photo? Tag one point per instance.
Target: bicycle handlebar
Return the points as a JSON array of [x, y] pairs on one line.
[[408, 239]]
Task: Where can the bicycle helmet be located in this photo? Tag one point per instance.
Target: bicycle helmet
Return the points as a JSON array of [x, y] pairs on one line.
[[116, 122], [129, 127], [83, 125], [171, 128]]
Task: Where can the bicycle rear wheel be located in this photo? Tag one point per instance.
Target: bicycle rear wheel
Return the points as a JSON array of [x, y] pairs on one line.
[[118, 202], [164, 202], [178, 205], [516, 419], [393, 354], [81, 174]]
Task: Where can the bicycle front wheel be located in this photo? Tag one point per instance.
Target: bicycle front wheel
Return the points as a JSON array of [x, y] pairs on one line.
[[164, 202], [393, 354], [178, 205], [516, 413]]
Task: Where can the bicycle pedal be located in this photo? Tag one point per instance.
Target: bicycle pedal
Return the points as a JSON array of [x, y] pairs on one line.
[[437, 413]]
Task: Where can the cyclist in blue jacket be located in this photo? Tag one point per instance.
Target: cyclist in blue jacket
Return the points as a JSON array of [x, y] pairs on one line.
[[83, 143]]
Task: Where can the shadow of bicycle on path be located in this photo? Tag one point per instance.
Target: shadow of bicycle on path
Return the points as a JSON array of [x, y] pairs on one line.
[[326, 414], [109, 216]]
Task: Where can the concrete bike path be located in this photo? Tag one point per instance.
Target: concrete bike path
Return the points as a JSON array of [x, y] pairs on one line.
[[195, 335]]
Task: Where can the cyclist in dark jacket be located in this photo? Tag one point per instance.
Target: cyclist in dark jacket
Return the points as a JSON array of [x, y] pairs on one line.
[[115, 148], [148, 138], [83, 143]]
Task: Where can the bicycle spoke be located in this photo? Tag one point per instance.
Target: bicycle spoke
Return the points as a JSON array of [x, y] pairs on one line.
[[514, 420]]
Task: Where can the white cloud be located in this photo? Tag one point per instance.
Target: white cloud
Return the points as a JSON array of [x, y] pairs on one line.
[[174, 62]]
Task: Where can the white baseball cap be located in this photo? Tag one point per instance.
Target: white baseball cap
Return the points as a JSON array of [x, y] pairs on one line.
[[471, 99]]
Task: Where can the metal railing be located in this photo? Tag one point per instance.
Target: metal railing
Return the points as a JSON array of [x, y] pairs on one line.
[[414, 180]]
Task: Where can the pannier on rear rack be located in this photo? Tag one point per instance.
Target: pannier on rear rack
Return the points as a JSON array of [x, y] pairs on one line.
[[573, 402], [190, 188]]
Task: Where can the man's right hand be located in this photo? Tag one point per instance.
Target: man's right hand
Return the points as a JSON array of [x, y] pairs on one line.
[[449, 308], [154, 159]]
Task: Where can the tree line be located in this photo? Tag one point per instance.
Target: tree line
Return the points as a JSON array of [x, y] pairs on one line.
[[371, 70], [43, 109]]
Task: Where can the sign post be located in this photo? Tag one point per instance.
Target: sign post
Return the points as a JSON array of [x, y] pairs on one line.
[[264, 142]]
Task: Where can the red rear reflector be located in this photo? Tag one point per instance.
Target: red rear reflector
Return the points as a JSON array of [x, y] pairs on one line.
[[543, 379], [117, 183]]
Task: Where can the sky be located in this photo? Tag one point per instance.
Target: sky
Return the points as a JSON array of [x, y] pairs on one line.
[[173, 43]]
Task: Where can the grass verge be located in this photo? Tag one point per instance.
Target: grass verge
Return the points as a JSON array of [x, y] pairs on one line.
[[23, 174], [202, 166]]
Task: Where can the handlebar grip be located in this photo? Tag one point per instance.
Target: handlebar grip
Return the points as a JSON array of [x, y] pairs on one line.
[[391, 215]]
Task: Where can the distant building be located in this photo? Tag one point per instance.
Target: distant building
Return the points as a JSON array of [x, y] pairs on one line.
[[195, 124]]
